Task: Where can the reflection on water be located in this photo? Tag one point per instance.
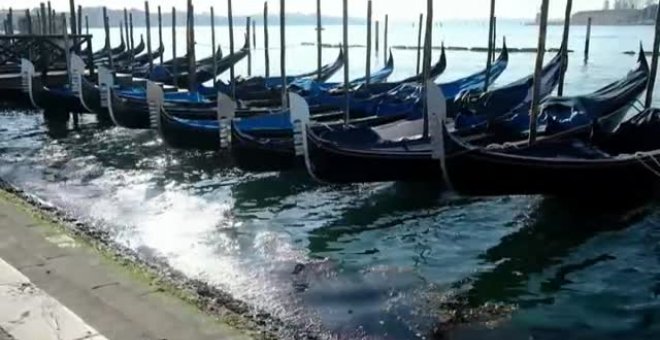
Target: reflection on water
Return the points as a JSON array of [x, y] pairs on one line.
[[379, 260]]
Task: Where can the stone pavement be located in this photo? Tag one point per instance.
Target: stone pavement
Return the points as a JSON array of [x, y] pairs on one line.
[[61, 290]]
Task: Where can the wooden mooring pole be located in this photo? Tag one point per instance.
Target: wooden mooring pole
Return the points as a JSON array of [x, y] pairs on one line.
[[419, 42], [426, 68], [175, 66], [79, 20], [376, 51], [29, 23], [494, 40], [387, 24], [128, 37], [249, 43], [285, 99], [148, 22], [254, 34], [564, 47], [108, 50], [654, 62], [160, 34], [50, 19], [266, 47], [368, 66], [536, 89], [192, 60], [121, 33], [37, 24], [489, 61], [74, 26], [319, 40], [347, 98], [44, 19], [10, 21], [587, 42], [130, 19], [232, 70], [213, 47], [86, 24]]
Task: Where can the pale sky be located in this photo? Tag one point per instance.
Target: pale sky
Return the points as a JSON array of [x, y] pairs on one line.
[[397, 9]]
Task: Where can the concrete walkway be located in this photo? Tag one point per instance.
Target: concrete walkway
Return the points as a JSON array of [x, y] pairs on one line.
[[60, 289]]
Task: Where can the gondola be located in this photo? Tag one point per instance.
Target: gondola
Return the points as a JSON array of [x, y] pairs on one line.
[[186, 127], [204, 69], [146, 58], [164, 71], [12, 85], [113, 51], [267, 137], [46, 97], [367, 154], [123, 56], [193, 134], [565, 167], [262, 91]]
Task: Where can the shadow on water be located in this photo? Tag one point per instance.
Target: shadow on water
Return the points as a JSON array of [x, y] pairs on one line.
[[267, 190], [553, 231], [386, 208]]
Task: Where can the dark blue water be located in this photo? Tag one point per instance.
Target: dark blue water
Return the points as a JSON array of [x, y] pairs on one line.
[[378, 261]]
